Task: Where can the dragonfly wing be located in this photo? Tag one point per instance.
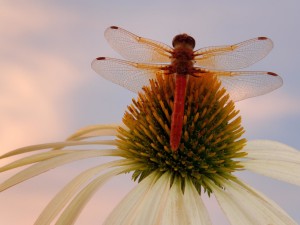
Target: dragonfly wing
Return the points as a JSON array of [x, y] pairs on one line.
[[137, 48], [132, 76], [247, 84], [231, 57]]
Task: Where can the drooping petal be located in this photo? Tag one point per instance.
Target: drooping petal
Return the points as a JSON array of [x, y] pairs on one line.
[[244, 205], [63, 197], [94, 131], [271, 150], [280, 170], [155, 201], [174, 212], [273, 159], [55, 145], [33, 159], [73, 140], [34, 148], [257, 145], [126, 210], [149, 210], [73, 210], [184, 208], [44, 166], [231, 209], [145, 204], [196, 210]]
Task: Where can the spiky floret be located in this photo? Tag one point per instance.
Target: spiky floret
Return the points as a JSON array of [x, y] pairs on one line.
[[211, 142]]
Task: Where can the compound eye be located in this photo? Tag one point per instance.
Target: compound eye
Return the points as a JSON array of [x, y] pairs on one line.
[[191, 41], [176, 40]]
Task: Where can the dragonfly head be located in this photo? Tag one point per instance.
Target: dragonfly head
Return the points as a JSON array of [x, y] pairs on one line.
[[183, 40]]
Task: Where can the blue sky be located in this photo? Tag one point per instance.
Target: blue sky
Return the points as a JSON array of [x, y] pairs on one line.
[[48, 89]]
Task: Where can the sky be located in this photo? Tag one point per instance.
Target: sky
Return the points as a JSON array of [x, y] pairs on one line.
[[48, 89]]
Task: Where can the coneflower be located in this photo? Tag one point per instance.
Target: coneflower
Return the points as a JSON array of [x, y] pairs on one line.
[[170, 183]]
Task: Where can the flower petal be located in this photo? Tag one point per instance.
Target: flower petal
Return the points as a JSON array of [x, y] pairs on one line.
[[280, 170], [44, 166], [273, 159], [61, 199], [150, 209], [94, 131], [73, 210], [271, 150], [155, 201], [73, 140], [235, 214], [125, 211], [55, 145], [174, 212], [195, 208], [244, 205], [186, 208], [34, 148], [33, 159]]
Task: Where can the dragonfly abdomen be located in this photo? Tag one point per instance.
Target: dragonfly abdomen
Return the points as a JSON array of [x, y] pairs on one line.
[[178, 111]]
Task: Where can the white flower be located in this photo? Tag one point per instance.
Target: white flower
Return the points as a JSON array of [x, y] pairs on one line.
[[170, 183]]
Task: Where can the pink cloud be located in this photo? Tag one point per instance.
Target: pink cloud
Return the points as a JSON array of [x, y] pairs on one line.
[[23, 18], [34, 84], [269, 107]]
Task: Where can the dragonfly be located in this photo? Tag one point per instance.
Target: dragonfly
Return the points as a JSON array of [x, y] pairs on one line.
[[148, 58]]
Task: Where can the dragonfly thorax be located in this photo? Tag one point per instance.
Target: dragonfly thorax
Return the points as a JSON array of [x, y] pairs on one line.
[[182, 60]]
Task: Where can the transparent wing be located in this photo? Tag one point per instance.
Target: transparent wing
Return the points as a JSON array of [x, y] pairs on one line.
[[247, 84], [233, 57], [132, 76], [136, 48]]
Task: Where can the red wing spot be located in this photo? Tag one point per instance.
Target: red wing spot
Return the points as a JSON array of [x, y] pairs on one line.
[[262, 38], [114, 27], [100, 58], [272, 74]]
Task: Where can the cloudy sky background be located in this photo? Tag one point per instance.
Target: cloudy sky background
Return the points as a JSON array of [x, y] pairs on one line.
[[48, 90]]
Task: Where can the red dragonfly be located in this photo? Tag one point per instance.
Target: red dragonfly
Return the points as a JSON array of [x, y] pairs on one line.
[[151, 58]]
